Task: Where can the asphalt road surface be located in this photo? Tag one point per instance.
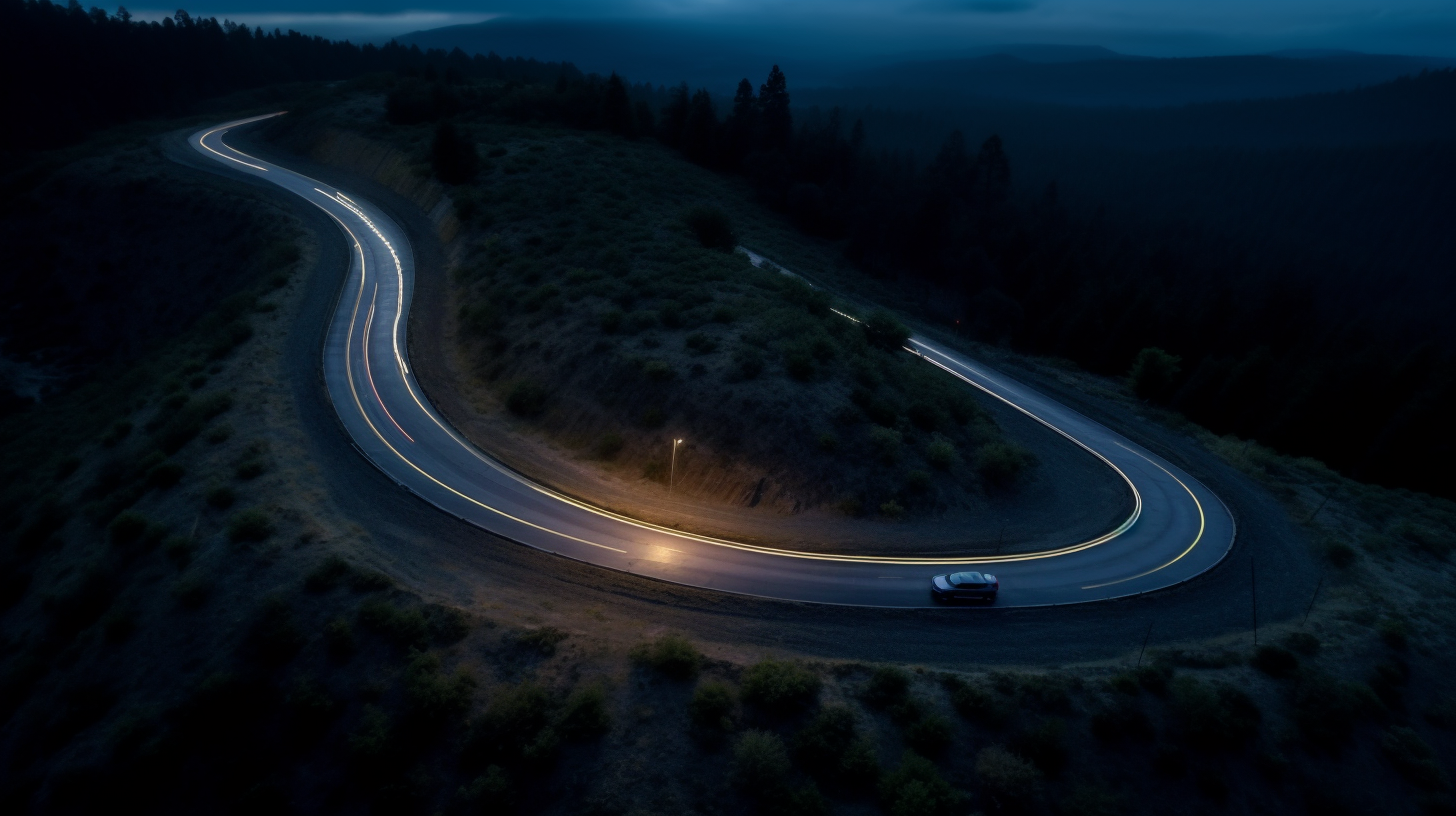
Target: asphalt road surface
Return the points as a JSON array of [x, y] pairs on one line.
[[1178, 529]]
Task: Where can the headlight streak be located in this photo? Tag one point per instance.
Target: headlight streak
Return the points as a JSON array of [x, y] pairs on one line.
[[1137, 496], [398, 271], [1202, 525], [229, 126], [354, 392], [369, 374], [646, 548]]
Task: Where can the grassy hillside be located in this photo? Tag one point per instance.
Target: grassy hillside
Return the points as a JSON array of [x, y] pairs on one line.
[[596, 302], [197, 618]]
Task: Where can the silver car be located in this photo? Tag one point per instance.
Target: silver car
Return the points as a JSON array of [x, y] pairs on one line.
[[964, 586]]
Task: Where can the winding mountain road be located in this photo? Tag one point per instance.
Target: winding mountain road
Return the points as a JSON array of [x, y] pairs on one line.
[[1177, 530]]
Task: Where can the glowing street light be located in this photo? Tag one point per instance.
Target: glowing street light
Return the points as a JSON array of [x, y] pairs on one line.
[[672, 472]]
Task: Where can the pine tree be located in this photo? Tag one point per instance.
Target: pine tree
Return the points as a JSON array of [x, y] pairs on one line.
[[741, 127], [773, 106], [675, 116], [617, 108], [994, 170], [453, 156], [699, 130]]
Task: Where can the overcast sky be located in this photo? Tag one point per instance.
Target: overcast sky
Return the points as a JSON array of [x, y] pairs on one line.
[[855, 27]]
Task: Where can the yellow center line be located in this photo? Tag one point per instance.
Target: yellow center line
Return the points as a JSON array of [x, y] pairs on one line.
[[1202, 524], [349, 204]]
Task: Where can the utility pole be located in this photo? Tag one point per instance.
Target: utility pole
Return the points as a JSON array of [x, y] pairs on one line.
[[672, 472], [1146, 635], [1317, 510], [1254, 599], [1313, 598]]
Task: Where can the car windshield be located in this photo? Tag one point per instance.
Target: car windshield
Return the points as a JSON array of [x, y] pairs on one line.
[[963, 578]]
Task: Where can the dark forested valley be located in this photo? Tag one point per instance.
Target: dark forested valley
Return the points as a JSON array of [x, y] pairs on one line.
[[1296, 270]]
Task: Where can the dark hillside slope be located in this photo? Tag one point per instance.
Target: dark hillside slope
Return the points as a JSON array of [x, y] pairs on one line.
[[112, 253]]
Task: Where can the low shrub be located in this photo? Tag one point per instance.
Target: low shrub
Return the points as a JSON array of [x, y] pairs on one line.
[[1275, 661], [1155, 678], [221, 498], [670, 655], [526, 399], [543, 640], [1302, 643], [1326, 709], [658, 371], [1010, 782], [516, 726], [586, 714], [1214, 715], [1442, 715], [1153, 374], [819, 747], [327, 575], [760, 765], [129, 527], [249, 526], [887, 686], [780, 687], [1395, 632], [1043, 745], [929, 735], [370, 742], [1404, 749], [977, 703], [1092, 799], [180, 549], [712, 227], [885, 331], [369, 581], [917, 481], [892, 510], [747, 363], [941, 453], [886, 442], [711, 708], [164, 475], [1000, 464], [1340, 554], [799, 364], [610, 321], [1121, 721], [339, 638], [490, 792], [274, 637], [192, 591], [402, 627], [433, 697], [609, 446], [311, 707], [916, 788], [699, 343]]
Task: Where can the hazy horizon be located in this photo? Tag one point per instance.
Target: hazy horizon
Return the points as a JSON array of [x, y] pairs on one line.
[[922, 28]]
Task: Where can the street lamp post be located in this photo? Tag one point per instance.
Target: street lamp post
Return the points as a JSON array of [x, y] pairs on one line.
[[672, 472]]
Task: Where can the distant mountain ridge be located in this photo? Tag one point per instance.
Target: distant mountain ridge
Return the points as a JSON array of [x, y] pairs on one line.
[[1142, 82], [717, 57]]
